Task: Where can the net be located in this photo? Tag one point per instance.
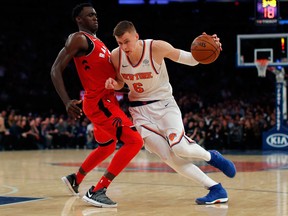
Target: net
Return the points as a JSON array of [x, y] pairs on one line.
[[261, 65]]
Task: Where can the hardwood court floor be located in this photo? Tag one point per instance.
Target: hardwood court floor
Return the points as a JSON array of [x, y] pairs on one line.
[[30, 185]]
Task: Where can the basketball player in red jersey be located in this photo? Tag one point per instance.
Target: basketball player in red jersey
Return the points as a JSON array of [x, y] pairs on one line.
[[92, 61]]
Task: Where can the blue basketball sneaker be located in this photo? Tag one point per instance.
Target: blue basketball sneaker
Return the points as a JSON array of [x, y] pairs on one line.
[[223, 164], [217, 194]]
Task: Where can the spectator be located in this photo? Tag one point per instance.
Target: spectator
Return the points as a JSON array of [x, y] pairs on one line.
[[3, 132], [51, 133], [91, 143]]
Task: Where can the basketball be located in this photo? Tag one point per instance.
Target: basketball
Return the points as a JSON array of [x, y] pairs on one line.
[[204, 49]]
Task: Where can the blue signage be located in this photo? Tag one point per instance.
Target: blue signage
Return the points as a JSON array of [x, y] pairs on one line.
[[277, 137]]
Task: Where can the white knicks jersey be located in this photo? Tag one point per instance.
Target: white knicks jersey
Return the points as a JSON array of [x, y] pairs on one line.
[[146, 80]]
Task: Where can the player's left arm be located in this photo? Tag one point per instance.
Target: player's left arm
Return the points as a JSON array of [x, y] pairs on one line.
[[163, 49]]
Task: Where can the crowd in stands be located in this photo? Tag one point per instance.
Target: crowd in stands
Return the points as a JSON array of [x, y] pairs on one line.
[[30, 132], [227, 125]]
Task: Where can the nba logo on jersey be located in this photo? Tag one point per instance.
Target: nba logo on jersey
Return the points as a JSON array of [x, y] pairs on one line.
[[146, 62]]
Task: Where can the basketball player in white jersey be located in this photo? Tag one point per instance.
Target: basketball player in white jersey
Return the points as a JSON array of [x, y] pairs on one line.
[[140, 64]]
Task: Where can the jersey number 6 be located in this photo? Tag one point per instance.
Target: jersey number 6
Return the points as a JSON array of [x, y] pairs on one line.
[[138, 88]]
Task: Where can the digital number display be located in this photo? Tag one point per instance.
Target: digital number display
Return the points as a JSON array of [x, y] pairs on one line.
[[267, 12]]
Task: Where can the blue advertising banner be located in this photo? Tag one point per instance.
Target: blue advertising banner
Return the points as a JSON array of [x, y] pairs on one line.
[[277, 137]]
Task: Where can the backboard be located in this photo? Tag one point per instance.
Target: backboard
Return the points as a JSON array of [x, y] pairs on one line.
[[252, 47]]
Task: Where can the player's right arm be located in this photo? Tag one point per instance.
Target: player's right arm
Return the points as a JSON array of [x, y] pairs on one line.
[[117, 83], [75, 44]]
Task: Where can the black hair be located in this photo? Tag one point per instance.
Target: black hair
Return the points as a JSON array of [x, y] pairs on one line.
[[78, 8]]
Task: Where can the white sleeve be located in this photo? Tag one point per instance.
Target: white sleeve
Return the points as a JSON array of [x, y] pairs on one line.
[[186, 58]]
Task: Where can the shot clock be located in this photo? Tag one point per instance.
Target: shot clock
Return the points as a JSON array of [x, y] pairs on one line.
[[267, 12]]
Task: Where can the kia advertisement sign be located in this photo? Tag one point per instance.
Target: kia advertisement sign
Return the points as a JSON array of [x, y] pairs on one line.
[[275, 140]]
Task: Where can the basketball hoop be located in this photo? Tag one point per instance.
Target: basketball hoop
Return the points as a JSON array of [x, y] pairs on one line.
[[261, 65]]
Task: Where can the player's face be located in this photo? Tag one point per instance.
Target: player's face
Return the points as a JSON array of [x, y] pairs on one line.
[[127, 42], [88, 19]]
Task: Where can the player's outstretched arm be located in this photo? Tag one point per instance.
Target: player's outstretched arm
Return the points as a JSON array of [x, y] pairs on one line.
[[162, 49]]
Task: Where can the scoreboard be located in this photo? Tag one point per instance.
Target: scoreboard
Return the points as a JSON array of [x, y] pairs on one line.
[[267, 12]]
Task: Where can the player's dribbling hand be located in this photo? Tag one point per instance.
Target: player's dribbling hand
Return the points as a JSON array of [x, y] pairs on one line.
[[73, 110], [216, 39]]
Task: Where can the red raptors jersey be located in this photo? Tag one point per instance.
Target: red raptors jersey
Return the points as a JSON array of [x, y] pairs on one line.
[[100, 104], [95, 68]]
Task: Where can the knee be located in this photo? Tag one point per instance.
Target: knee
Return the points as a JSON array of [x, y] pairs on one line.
[[107, 150], [179, 150], [165, 158], [138, 141], [133, 138], [164, 154]]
